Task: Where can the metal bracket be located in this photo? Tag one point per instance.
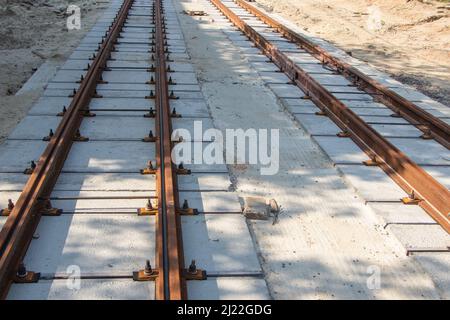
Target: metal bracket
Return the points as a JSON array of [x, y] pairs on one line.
[[427, 135], [5, 212], [185, 210], [30, 169], [411, 199], [343, 134], [151, 96], [62, 113], [146, 274], [371, 163], [49, 137], [142, 276], [174, 97], [150, 114], [149, 210], [88, 114], [320, 113], [183, 171], [30, 277], [396, 115], [192, 273], [78, 137], [49, 210], [149, 138], [149, 170], [25, 276]]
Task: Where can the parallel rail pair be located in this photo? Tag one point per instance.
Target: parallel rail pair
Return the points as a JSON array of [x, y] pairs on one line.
[[17, 233], [421, 187]]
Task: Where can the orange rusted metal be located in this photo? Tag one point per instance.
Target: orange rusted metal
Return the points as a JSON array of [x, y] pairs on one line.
[[171, 284]]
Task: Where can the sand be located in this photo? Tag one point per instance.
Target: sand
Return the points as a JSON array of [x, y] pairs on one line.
[[408, 39], [31, 33]]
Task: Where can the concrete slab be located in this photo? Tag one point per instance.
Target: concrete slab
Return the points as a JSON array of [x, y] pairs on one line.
[[330, 79], [393, 130], [49, 105], [2, 221], [228, 289], [122, 182], [317, 125], [127, 104], [303, 58], [101, 202], [372, 183], [212, 202], [68, 181], [15, 155], [97, 128], [377, 111], [12, 181], [398, 213], [274, 77], [421, 236], [353, 97], [340, 150], [192, 155], [437, 265], [92, 242], [204, 182], [95, 289], [375, 119], [286, 91], [436, 154], [342, 89], [217, 235], [109, 156], [265, 67], [190, 108]]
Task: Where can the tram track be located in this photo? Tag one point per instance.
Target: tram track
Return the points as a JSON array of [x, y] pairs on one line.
[[422, 188]]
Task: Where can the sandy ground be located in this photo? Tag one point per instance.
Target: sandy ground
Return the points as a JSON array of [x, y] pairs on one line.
[[31, 33], [409, 39]]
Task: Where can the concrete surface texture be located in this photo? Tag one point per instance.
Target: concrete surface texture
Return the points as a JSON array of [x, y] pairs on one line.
[[327, 241]]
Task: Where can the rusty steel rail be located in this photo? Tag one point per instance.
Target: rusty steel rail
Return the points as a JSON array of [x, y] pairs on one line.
[[432, 196], [18, 230], [431, 126], [170, 284]]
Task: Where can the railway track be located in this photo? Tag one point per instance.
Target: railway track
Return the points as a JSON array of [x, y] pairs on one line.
[[106, 199], [296, 56], [101, 208]]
